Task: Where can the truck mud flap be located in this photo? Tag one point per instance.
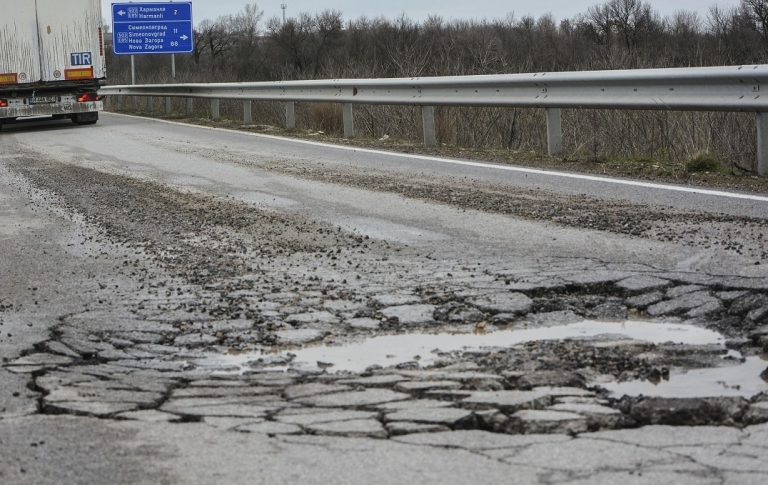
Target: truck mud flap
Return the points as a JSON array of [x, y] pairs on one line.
[[86, 118]]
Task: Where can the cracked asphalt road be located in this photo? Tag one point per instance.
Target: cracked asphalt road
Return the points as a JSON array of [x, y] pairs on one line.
[[160, 284]]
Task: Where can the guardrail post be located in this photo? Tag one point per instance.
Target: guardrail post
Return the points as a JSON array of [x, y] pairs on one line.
[[290, 115], [215, 109], [190, 106], [349, 121], [248, 112], [168, 105], [150, 104], [119, 102], [428, 125], [762, 144], [554, 131]]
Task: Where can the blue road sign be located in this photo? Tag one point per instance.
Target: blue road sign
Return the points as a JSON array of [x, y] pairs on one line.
[[152, 28]]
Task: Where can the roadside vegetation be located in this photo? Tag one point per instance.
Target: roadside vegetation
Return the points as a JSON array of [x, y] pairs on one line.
[[616, 34]]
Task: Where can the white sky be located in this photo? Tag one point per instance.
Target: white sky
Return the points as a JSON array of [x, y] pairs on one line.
[[420, 9]]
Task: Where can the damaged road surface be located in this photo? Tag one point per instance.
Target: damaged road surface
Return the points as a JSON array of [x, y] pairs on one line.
[[184, 305]]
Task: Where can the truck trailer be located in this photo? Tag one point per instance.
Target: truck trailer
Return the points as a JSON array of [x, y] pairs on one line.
[[52, 60]]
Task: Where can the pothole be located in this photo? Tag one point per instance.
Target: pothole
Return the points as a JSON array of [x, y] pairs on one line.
[[742, 379], [427, 349]]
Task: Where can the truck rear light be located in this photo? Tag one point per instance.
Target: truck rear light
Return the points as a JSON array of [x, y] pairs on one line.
[[87, 98], [101, 42], [9, 78], [74, 74], [3, 103]]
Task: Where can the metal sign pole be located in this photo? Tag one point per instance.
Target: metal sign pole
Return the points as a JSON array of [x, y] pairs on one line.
[[173, 64], [168, 100], [133, 77]]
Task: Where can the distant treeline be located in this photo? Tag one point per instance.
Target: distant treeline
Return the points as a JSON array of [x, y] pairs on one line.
[[616, 34]]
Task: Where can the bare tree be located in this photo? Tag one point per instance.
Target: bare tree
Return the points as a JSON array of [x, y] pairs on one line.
[[246, 27], [600, 19], [327, 26], [757, 11], [216, 38]]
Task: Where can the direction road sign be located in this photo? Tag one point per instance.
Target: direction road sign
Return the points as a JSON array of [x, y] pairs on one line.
[[152, 28]]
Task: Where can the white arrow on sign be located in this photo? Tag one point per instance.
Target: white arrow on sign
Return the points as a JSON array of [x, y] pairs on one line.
[[121, 13], [183, 37]]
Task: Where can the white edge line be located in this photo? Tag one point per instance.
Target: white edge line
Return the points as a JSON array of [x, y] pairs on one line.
[[507, 168]]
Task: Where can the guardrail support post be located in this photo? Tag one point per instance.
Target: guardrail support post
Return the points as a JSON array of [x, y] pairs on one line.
[[762, 144], [190, 106], [248, 112], [428, 125], [349, 121], [168, 105], [290, 115], [119, 102], [554, 131], [215, 110], [150, 104]]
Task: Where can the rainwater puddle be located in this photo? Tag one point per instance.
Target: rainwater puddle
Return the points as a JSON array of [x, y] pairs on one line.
[[391, 350], [739, 380]]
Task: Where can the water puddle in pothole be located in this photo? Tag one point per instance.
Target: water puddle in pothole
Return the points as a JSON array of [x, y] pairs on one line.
[[741, 379], [425, 348], [736, 377]]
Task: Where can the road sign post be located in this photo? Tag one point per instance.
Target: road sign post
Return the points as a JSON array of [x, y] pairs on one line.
[[152, 28]]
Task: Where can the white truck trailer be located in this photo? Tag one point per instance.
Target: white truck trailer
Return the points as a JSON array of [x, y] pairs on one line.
[[51, 59]]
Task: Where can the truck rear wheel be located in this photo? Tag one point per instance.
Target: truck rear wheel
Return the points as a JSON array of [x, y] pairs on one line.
[[86, 118]]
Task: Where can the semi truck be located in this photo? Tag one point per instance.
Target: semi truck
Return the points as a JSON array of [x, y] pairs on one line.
[[52, 60]]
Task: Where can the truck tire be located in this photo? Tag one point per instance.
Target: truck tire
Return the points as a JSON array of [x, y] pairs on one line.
[[86, 118]]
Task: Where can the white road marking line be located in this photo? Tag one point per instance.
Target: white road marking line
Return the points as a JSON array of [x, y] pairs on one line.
[[493, 166]]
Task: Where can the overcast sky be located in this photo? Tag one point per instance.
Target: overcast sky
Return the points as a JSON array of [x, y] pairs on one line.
[[420, 9]]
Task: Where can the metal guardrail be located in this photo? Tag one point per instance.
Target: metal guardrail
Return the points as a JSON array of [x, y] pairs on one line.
[[735, 89]]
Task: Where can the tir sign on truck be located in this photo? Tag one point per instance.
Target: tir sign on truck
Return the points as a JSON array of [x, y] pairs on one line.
[[51, 59]]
